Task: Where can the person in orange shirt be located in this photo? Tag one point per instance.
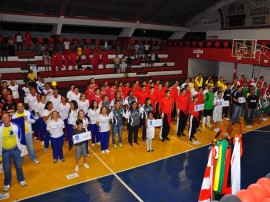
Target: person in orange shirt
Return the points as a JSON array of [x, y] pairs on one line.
[[153, 97], [165, 110], [160, 95], [193, 121], [182, 102], [142, 96]]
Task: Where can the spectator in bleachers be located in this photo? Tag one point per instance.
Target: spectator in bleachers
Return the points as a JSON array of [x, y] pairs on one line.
[[66, 56], [3, 51], [46, 60], [87, 52], [106, 44], [73, 59], [141, 49], [11, 49], [123, 64], [19, 40], [50, 48], [137, 50], [28, 40], [41, 85], [53, 64], [15, 90], [67, 44], [128, 61], [104, 56], [26, 88], [116, 61], [146, 49], [59, 61]]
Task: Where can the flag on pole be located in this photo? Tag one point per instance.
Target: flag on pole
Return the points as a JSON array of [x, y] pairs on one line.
[[207, 189], [236, 165], [20, 123]]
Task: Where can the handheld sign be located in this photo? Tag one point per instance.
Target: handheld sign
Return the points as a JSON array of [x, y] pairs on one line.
[[242, 100], [225, 103], [266, 104], [199, 107], [81, 137], [155, 123]]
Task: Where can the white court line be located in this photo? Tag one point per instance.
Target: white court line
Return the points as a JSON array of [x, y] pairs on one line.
[[182, 141], [115, 175], [262, 131]]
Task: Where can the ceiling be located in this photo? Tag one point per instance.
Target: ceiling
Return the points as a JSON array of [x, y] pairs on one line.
[[170, 12]]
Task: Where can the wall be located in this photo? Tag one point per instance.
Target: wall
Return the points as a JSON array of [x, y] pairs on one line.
[[226, 70], [210, 21], [247, 70], [206, 67]]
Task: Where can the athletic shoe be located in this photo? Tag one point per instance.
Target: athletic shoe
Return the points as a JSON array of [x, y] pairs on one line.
[[162, 140], [148, 150], [36, 161], [35, 138], [137, 143], [69, 148], [151, 150], [115, 146], [203, 127], [209, 125], [6, 188], [198, 130], [179, 134], [76, 168], [120, 145], [93, 144], [168, 139], [227, 119], [216, 129], [45, 150], [22, 183], [102, 151], [55, 161], [86, 165], [107, 151], [63, 160], [131, 144], [42, 143], [98, 143]]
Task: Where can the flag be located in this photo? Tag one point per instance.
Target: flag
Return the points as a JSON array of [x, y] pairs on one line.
[[20, 123], [220, 168], [206, 189], [236, 166]]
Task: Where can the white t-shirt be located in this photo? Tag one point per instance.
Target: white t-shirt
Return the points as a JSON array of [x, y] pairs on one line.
[[30, 100], [46, 113], [26, 91], [56, 128], [50, 91], [75, 97], [84, 105], [40, 107], [15, 91], [104, 124], [92, 114], [73, 115], [19, 38], [85, 123], [63, 110], [69, 93], [146, 47], [55, 101], [66, 43]]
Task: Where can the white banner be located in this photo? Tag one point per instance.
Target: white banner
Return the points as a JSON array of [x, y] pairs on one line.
[[266, 104], [81, 137], [199, 107], [225, 103], [242, 100], [155, 123]]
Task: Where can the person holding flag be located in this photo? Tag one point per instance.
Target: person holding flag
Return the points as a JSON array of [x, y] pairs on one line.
[[11, 148], [28, 121]]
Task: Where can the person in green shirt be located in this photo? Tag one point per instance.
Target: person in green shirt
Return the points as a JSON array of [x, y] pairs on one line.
[[208, 107]]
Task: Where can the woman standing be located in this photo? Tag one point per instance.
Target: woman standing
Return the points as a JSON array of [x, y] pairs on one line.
[[63, 110], [103, 121], [72, 117], [46, 115], [144, 110], [133, 116], [83, 103], [129, 99], [93, 113], [56, 127], [40, 124], [150, 132]]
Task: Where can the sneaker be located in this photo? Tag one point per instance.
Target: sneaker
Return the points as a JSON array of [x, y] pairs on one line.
[[102, 151], [203, 127], [6, 188], [36, 161], [179, 134], [98, 143], [93, 144], [148, 150], [137, 143], [162, 140], [55, 161], [45, 150], [86, 165], [76, 168], [120, 145], [209, 125], [184, 135], [131, 144], [63, 160], [168, 139], [107, 151], [22, 183], [42, 143], [35, 138], [115, 146], [198, 130], [151, 150], [227, 119]]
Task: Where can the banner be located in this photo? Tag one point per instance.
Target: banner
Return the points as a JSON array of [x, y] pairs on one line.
[[242, 100], [81, 137], [199, 107], [155, 123]]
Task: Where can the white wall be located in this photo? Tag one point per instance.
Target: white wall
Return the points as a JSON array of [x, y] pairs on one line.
[[226, 70], [206, 67]]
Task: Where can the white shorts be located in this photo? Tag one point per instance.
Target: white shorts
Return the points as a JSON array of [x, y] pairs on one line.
[[217, 115]]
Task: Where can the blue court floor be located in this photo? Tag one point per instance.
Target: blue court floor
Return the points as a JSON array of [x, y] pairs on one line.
[[177, 178]]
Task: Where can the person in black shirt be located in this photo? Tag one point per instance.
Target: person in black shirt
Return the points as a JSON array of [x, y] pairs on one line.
[[10, 106], [226, 97], [237, 106], [251, 106]]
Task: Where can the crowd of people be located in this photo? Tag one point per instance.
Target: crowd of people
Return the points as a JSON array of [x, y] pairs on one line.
[[52, 117]]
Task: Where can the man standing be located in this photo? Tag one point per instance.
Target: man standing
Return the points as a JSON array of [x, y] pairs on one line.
[[165, 110], [116, 61], [10, 148], [208, 107], [237, 105], [28, 121], [182, 111], [251, 105]]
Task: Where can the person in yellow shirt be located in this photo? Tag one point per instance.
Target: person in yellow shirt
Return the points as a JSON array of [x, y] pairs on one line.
[[199, 80], [191, 84], [31, 76], [79, 51], [220, 81], [10, 148]]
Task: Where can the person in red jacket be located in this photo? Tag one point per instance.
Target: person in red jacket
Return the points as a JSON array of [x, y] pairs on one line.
[[73, 59], [89, 92], [53, 64], [182, 102], [28, 40], [112, 91], [165, 110], [94, 64], [66, 56], [142, 96], [160, 94], [97, 96], [87, 52], [153, 97], [193, 121], [59, 61], [104, 56], [174, 93]]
